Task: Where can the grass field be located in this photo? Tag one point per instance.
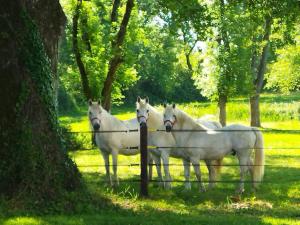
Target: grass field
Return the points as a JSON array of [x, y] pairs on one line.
[[276, 202]]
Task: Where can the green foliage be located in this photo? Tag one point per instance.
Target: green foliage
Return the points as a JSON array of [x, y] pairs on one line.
[[284, 73], [100, 35]]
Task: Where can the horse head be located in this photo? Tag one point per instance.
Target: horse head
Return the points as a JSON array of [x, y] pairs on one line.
[[94, 113], [142, 110], [169, 116]]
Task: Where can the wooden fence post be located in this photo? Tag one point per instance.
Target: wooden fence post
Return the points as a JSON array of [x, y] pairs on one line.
[[144, 160]]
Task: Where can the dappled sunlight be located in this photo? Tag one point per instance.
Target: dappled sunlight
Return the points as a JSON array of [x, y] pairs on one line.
[[25, 221]]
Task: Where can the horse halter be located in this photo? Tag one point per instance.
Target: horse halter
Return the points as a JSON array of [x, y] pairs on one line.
[[95, 118], [139, 117], [172, 122]]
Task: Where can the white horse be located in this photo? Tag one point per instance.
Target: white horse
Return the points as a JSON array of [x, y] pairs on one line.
[[209, 144], [148, 114], [113, 143]]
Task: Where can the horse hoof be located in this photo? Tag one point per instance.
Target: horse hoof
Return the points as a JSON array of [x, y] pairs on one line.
[[160, 184], [187, 187], [211, 186], [168, 186], [240, 191], [254, 189], [202, 189]]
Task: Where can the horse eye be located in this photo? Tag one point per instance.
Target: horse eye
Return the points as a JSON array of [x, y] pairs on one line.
[[90, 113], [147, 110], [137, 110]]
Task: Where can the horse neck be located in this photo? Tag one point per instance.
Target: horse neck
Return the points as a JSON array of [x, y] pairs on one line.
[[187, 122], [109, 121], [155, 119]]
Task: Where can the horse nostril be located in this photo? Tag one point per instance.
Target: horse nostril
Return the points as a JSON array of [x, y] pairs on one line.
[[168, 128], [96, 126]]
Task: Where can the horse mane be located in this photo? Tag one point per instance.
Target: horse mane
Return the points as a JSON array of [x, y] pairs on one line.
[[106, 114], [190, 120]]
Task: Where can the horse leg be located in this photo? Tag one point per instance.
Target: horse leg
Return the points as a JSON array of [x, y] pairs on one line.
[[106, 163], [158, 168], [196, 165], [251, 169], [186, 166], [115, 168], [211, 173], [168, 179], [243, 161]]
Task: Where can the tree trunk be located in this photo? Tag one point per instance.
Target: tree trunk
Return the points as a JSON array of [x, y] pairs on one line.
[[114, 11], [83, 74], [85, 34], [222, 109], [33, 160], [259, 79], [117, 57], [226, 74], [254, 109]]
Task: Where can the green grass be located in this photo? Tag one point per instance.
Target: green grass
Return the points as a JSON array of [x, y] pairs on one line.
[[276, 202]]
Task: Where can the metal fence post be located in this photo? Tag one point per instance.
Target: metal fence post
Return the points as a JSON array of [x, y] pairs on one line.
[[144, 160]]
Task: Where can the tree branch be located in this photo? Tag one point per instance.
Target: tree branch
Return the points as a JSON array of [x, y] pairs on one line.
[[82, 70], [117, 57]]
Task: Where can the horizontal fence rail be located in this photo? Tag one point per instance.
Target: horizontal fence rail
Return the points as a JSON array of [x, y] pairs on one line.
[[224, 131], [102, 131], [168, 147], [293, 131], [207, 181], [177, 164]]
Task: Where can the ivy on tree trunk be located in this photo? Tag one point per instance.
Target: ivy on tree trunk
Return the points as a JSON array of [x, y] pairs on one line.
[[33, 161]]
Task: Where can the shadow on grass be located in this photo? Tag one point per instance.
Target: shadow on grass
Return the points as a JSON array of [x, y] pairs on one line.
[[101, 205]]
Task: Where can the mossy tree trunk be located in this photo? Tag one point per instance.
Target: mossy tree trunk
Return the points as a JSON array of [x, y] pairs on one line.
[[33, 159]]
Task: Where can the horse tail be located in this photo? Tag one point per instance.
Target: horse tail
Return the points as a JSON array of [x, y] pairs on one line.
[[259, 159], [217, 124]]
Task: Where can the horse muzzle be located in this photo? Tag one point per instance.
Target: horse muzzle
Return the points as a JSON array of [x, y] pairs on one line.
[[168, 128], [143, 124], [96, 126]]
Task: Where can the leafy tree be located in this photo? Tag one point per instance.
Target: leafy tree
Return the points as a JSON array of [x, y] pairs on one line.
[[96, 33], [284, 73], [264, 14]]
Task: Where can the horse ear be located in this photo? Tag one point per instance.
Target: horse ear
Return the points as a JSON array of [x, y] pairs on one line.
[[138, 99], [99, 102], [173, 105], [147, 99], [90, 102], [165, 105]]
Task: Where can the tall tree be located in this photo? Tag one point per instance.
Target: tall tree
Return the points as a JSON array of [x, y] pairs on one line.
[[31, 151], [263, 14], [258, 73], [82, 70], [226, 70], [117, 57]]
